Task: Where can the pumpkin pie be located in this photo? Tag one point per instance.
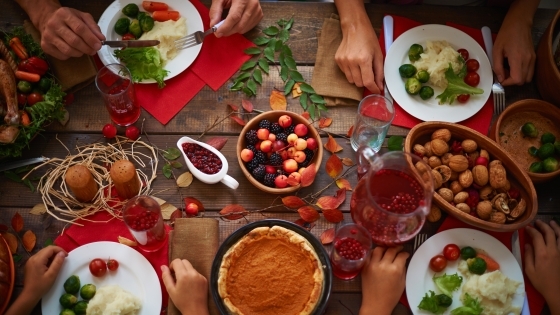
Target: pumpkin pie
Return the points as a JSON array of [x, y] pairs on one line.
[[269, 271]]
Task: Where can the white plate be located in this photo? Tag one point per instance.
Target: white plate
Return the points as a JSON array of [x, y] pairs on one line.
[[175, 66], [135, 275], [430, 110], [419, 275]]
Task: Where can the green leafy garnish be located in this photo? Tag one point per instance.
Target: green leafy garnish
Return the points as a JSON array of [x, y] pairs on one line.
[[171, 153], [430, 303], [33, 48], [394, 143], [470, 307], [455, 87], [143, 63], [448, 283]]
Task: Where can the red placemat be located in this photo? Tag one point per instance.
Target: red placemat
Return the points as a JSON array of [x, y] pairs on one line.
[[480, 121]]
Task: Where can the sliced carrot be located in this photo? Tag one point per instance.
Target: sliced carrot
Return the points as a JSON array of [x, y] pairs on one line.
[[152, 6], [28, 76], [162, 16], [491, 264], [25, 120]]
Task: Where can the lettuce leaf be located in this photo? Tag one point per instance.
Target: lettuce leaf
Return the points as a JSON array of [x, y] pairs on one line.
[[143, 63], [456, 86], [430, 304], [448, 283], [470, 307]]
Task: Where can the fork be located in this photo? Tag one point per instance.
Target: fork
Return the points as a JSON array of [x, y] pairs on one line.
[[498, 91], [419, 239], [195, 38]]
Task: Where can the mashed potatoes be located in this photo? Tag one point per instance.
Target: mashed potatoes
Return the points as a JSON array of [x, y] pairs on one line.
[[436, 59], [113, 300], [167, 32]]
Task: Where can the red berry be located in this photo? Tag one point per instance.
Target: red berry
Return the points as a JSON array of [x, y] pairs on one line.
[[132, 132], [109, 131]]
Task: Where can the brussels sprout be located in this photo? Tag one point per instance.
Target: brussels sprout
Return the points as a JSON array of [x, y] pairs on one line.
[[24, 86], [67, 312], [141, 15], [443, 300], [536, 167], [147, 23], [135, 28], [414, 52], [426, 92], [44, 85], [476, 265], [468, 252], [423, 76], [407, 70], [550, 164], [80, 308], [547, 137], [130, 10], [529, 130], [546, 150], [533, 151], [122, 25], [68, 300], [412, 86], [87, 291], [72, 284]]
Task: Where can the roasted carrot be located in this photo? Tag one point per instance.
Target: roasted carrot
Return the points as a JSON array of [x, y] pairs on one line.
[[17, 46], [491, 264], [27, 76], [162, 16], [152, 6], [25, 120]]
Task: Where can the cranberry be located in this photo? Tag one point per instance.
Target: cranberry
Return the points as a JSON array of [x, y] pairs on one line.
[[203, 159], [143, 220], [350, 248], [405, 201]]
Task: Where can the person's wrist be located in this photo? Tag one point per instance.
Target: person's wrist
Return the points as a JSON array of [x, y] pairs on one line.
[[375, 308], [41, 16]]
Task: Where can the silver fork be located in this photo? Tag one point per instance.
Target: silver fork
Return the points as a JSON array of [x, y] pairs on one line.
[[195, 38], [419, 239], [498, 91]]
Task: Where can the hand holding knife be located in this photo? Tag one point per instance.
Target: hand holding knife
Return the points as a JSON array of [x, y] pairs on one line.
[[130, 43]]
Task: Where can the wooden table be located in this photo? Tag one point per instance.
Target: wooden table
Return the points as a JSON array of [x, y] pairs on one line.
[[88, 117]]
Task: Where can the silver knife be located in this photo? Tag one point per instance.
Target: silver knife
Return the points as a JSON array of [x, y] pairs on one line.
[[16, 164], [516, 251], [388, 35], [130, 43]]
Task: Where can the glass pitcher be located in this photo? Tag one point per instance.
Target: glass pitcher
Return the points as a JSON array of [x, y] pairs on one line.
[[393, 195]]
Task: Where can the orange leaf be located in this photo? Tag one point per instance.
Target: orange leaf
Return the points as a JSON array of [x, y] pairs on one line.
[[234, 107], [238, 120], [176, 214], [347, 161], [247, 105], [278, 100], [296, 90], [126, 241], [29, 240], [217, 142], [305, 115], [328, 202], [11, 240], [293, 202], [333, 215], [308, 214], [308, 175], [350, 131], [334, 166], [332, 146], [325, 122], [17, 222], [343, 183], [327, 236], [237, 212]]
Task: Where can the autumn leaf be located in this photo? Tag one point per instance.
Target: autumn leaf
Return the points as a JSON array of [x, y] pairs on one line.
[[333, 215], [217, 142], [234, 107], [293, 202], [167, 210], [38, 209], [325, 122], [347, 161], [185, 179], [350, 131], [308, 175], [29, 240], [327, 236], [176, 215], [247, 105], [239, 211], [296, 90], [308, 214], [17, 222], [159, 200], [292, 181], [329, 202], [306, 225], [334, 166], [11, 240], [195, 201], [332, 146], [278, 100], [305, 115], [126, 241], [238, 120], [343, 183]]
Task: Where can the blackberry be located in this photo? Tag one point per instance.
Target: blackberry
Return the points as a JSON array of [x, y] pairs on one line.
[[275, 128], [252, 148], [251, 165], [260, 157], [282, 136], [259, 172], [275, 159], [308, 156], [265, 123], [269, 180], [289, 129], [251, 137]]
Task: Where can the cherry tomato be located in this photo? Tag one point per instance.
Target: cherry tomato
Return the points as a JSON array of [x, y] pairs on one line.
[[472, 65], [438, 263], [464, 53], [463, 98], [34, 98], [109, 131], [128, 36], [132, 132], [112, 264], [451, 252], [21, 99], [98, 267], [472, 78]]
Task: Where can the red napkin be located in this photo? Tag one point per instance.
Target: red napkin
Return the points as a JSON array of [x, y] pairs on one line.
[[109, 229], [480, 121], [536, 301]]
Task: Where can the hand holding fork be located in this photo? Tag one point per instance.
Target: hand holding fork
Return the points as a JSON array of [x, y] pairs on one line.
[[195, 38]]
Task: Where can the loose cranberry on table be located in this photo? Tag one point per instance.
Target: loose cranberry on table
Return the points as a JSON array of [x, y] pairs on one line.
[[109, 131], [203, 159], [132, 132], [349, 248]]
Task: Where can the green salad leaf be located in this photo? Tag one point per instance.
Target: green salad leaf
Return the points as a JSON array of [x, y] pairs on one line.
[[143, 63], [430, 303], [448, 283], [456, 86], [471, 306]]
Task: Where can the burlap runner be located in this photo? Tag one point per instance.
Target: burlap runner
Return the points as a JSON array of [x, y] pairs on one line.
[[328, 80], [197, 240]]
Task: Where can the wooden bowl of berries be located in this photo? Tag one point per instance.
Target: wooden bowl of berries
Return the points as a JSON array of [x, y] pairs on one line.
[[274, 148], [475, 179]]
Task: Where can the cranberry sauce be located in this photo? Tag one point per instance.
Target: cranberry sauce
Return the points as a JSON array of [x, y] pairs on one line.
[[203, 159]]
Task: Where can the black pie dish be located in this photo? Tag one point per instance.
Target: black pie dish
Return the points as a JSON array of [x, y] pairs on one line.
[[242, 231]]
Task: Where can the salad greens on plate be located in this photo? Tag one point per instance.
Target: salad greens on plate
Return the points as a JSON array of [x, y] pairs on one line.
[[143, 63]]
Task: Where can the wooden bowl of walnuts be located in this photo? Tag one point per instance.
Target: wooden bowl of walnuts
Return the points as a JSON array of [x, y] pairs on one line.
[[474, 179]]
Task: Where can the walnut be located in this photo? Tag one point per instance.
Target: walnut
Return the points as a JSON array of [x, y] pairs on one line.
[[434, 161], [484, 153], [499, 202], [439, 147], [480, 175], [497, 175], [494, 162], [486, 193], [497, 217], [461, 197], [519, 209], [506, 187], [435, 214], [438, 180], [419, 150], [484, 209], [445, 172], [443, 134], [466, 178], [428, 148], [469, 145], [463, 207], [455, 187], [422, 167], [425, 159], [458, 163], [445, 158], [473, 156], [446, 194]]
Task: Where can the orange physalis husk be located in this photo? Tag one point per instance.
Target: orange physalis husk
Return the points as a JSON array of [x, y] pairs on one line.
[[333, 166], [278, 100], [247, 105], [293, 202], [332, 146], [238, 210], [327, 236], [308, 213]]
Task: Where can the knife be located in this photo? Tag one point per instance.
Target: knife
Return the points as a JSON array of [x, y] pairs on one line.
[[130, 43], [16, 164], [516, 251], [388, 35]]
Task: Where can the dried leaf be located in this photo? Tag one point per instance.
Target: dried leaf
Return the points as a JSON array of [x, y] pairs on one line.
[[329, 202], [347, 161], [350, 131], [217, 142], [247, 105], [185, 179], [3, 228], [237, 211], [238, 120], [195, 201], [17, 222], [126, 241], [167, 210], [11, 240], [343, 183], [29, 240], [159, 200], [38, 209], [306, 115], [278, 100], [308, 175], [293, 202], [175, 215], [234, 107], [296, 90], [332, 146], [325, 122], [334, 166], [333, 215], [327, 236], [308, 214], [306, 225]]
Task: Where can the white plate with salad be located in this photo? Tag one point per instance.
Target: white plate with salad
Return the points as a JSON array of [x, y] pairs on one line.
[[175, 66], [419, 276], [430, 109]]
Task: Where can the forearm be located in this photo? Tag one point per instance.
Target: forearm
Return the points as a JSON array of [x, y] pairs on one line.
[[39, 10], [23, 305], [522, 11], [352, 14], [553, 305]]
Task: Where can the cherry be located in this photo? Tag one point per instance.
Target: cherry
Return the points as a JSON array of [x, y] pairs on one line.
[[132, 132], [109, 131]]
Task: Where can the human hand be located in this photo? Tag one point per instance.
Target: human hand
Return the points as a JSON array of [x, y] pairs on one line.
[[383, 280], [188, 289], [41, 270], [242, 16]]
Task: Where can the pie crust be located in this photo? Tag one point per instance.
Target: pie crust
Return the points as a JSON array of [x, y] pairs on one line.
[[271, 270]]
